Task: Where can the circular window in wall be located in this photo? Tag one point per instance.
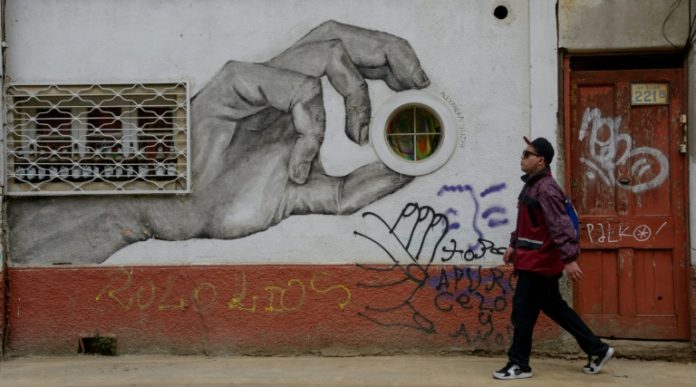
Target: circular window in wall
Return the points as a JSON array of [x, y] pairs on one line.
[[414, 133]]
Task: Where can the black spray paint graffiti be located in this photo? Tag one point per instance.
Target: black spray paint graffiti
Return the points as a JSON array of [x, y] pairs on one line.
[[417, 232], [413, 243]]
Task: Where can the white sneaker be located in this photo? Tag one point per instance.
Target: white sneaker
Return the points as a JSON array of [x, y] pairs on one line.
[[595, 363], [512, 371]]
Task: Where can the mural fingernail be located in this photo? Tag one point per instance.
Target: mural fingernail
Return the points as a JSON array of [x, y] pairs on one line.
[[364, 133], [299, 173], [421, 79]]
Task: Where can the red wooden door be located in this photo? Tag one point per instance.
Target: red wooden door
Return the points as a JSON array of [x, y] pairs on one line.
[[627, 179]]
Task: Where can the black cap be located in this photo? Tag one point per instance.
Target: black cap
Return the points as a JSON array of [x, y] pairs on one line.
[[542, 147]]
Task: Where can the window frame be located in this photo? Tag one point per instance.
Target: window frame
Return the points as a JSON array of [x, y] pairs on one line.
[[23, 101], [398, 102]]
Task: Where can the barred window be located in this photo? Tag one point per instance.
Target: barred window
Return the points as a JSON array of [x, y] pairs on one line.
[[94, 139]]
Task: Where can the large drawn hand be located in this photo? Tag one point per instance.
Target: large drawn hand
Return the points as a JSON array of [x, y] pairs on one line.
[[256, 133], [266, 165]]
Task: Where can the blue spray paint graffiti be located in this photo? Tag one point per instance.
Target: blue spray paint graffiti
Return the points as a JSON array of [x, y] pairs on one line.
[[467, 288], [494, 215]]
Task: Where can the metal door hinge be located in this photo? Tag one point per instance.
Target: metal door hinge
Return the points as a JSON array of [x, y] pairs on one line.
[[682, 145]]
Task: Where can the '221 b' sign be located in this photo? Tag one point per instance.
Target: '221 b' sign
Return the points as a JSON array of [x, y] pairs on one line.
[[649, 94]]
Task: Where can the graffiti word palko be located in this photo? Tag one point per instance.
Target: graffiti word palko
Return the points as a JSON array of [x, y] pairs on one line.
[[204, 296], [614, 233]]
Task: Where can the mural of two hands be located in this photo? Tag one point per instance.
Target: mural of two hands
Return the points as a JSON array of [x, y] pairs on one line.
[[256, 133]]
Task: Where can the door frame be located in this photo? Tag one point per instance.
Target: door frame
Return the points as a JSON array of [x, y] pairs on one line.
[[627, 61]]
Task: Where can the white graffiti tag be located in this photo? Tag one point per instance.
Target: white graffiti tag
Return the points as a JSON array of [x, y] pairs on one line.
[[649, 166], [614, 233]]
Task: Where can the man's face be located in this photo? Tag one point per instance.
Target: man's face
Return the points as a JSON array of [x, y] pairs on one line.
[[530, 161]]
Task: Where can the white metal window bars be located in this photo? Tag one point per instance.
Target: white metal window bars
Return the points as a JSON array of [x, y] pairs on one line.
[[97, 139]]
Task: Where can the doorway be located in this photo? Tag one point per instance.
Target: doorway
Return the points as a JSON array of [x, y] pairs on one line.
[[624, 120]]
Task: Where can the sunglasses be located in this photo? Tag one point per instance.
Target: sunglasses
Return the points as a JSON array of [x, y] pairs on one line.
[[527, 153]]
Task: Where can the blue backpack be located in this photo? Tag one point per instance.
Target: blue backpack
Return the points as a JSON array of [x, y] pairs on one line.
[[573, 215]]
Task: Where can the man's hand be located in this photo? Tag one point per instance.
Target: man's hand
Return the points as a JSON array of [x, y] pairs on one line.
[[573, 271], [509, 255]]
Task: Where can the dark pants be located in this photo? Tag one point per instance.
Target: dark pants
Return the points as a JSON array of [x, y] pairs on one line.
[[535, 293]]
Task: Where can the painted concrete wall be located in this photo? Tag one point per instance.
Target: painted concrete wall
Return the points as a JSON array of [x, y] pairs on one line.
[[478, 65], [263, 309], [3, 254], [317, 282], [323, 281], [592, 25]]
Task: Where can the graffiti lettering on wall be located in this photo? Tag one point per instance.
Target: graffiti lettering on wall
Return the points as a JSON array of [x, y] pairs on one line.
[[420, 230], [493, 215], [609, 150], [203, 296], [466, 288], [458, 290], [413, 242], [614, 233]]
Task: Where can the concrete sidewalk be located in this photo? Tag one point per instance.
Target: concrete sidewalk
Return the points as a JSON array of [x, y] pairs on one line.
[[150, 370]]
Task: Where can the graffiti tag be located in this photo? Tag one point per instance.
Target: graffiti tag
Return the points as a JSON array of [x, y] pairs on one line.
[[413, 242], [609, 149], [609, 233], [204, 296]]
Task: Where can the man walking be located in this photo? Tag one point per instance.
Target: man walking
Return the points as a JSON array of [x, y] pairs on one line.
[[542, 247]]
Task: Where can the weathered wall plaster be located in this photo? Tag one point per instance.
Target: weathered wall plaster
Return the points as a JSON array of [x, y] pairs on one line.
[[459, 46]]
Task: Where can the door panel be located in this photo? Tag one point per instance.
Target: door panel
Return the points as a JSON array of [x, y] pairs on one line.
[[627, 180]]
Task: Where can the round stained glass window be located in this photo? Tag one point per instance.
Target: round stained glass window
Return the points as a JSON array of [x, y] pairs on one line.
[[414, 132]]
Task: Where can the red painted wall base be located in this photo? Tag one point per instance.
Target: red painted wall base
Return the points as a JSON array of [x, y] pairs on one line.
[[264, 309], [2, 313]]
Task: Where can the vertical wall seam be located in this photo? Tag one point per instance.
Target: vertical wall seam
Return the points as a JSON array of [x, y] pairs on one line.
[[3, 204]]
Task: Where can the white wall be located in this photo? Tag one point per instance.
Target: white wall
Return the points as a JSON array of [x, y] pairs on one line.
[[479, 64]]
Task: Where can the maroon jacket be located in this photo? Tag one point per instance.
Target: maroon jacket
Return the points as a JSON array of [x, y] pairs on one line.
[[544, 240]]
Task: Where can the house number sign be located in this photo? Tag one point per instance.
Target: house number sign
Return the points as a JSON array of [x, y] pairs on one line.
[[649, 94]]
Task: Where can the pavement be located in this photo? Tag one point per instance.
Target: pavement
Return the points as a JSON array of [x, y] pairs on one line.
[[450, 370]]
